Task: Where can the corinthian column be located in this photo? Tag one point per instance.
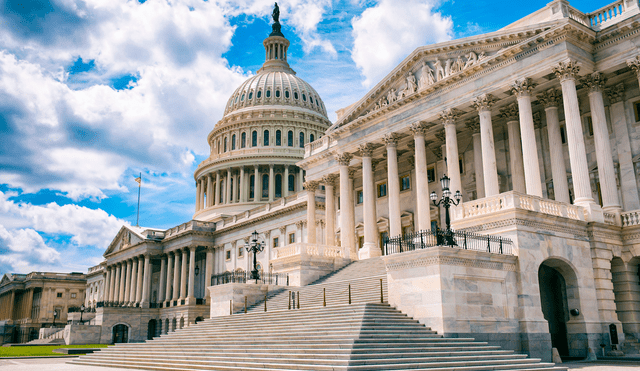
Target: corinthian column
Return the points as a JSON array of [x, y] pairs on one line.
[[370, 248], [218, 195], [107, 285], [134, 281], [474, 126], [634, 64], [393, 180], [227, 186], [330, 209], [448, 118], [311, 188], [127, 284], [198, 187], [347, 215], [551, 99], [483, 104], [163, 274], [192, 275], [208, 271], [422, 179], [257, 191], [604, 156], [285, 181], [243, 193], [139, 280], [209, 190], [522, 90], [567, 74], [272, 184], [176, 275], [510, 113], [146, 282], [167, 294], [183, 275]]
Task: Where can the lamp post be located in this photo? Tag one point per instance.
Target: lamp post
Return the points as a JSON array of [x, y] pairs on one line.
[[55, 315], [446, 201], [255, 247], [82, 308]]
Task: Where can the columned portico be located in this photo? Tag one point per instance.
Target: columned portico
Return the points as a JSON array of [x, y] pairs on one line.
[[551, 99], [393, 181], [347, 214], [510, 113], [422, 178], [522, 90], [483, 104], [370, 247]]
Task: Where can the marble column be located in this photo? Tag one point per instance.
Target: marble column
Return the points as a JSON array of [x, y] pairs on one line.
[[510, 113], [567, 74], [347, 215], [176, 274], [551, 99], [257, 191], [139, 280], [218, 195], [300, 179], [163, 274], [242, 192], [423, 208], [311, 188], [209, 190], [208, 271], [227, 188], [134, 281], [127, 284], [285, 181], [198, 187], [203, 191], [606, 172], [272, 184], [329, 209], [634, 64], [474, 126], [168, 293], [146, 281], [448, 118], [192, 275], [107, 284], [628, 182], [393, 182], [116, 287], [483, 104], [522, 90], [370, 248], [183, 275]]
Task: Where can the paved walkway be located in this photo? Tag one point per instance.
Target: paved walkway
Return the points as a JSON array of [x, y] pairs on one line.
[[58, 364]]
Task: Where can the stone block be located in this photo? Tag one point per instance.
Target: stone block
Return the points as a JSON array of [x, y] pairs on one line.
[[82, 334]]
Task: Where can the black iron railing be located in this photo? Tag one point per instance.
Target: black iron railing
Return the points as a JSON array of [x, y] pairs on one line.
[[440, 237], [242, 277]]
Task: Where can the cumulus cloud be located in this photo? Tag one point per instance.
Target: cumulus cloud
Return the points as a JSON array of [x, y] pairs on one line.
[[24, 251], [386, 33]]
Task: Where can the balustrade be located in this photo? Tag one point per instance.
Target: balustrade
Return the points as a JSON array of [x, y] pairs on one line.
[[306, 249], [606, 14]]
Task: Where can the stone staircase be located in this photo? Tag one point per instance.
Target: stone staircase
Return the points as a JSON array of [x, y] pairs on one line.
[[341, 337], [631, 345]]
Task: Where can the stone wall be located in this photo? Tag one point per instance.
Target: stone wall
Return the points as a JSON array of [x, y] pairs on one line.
[[82, 334]]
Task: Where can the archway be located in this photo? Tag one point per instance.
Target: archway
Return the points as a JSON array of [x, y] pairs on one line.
[[166, 326], [151, 329], [173, 324], [181, 322], [120, 334], [199, 319]]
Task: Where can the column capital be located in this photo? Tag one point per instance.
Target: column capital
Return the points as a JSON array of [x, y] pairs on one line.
[[352, 172], [594, 82], [419, 129], [343, 159], [484, 102], [473, 124], [390, 140], [567, 70], [634, 64], [311, 186], [449, 116], [550, 98], [510, 112], [192, 247], [523, 87], [330, 179], [299, 223], [282, 230], [366, 150], [616, 93]]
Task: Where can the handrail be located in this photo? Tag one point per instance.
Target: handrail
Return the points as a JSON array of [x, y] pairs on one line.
[[439, 237]]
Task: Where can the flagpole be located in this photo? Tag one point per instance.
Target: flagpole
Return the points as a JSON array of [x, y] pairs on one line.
[[139, 186]]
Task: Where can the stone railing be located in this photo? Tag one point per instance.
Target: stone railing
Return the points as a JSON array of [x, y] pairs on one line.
[[51, 333], [630, 218], [601, 17], [193, 225], [306, 249], [515, 200], [279, 150], [611, 219]]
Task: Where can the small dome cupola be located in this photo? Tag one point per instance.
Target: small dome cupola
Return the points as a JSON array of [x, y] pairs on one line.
[[276, 46]]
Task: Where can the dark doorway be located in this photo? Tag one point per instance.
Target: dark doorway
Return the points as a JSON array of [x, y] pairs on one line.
[[120, 334], [151, 329], [553, 299]]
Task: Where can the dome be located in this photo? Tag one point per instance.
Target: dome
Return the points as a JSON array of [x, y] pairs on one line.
[[275, 88]]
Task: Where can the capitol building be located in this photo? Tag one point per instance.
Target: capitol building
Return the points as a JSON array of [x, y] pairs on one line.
[[537, 125]]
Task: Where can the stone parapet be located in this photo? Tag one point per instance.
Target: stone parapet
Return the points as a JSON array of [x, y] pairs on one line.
[[230, 298], [82, 334], [305, 263]]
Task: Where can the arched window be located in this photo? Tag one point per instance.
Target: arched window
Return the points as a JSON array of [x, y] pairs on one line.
[[292, 183], [250, 95], [295, 95], [278, 185], [231, 189], [304, 97], [278, 138], [265, 185], [311, 138], [286, 94], [301, 140], [259, 94], [277, 93], [218, 146], [242, 98], [268, 93], [252, 182], [243, 140], [265, 138], [254, 139], [233, 142], [225, 144], [310, 99], [290, 138]]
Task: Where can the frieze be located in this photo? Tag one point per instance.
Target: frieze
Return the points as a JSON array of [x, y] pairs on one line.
[[450, 260]]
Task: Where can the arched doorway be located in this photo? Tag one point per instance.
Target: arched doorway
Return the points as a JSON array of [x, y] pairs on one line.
[[120, 334], [151, 329]]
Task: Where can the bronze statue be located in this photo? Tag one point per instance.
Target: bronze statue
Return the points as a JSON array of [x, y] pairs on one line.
[[276, 14], [276, 22]]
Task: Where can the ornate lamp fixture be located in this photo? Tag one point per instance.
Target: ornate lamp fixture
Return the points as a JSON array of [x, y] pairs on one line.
[[256, 247], [447, 201]]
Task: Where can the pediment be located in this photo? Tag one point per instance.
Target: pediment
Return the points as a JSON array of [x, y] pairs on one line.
[[5, 279], [125, 238]]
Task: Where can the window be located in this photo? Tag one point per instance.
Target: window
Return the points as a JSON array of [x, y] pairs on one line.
[[265, 138], [225, 144], [292, 237], [278, 138], [240, 252], [228, 255], [242, 98], [301, 140], [73, 295], [382, 189], [311, 99], [304, 97], [250, 95], [259, 94], [254, 139], [278, 185], [243, 140], [405, 183], [636, 110], [276, 242], [252, 180], [589, 125], [290, 138], [231, 189], [233, 142], [265, 185], [311, 138], [563, 135], [461, 165], [268, 94], [59, 295], [431, 174], [295, 95], [383, 237], [292, 185], [286, 94], [277, 93], [359, 197], [360, 241]]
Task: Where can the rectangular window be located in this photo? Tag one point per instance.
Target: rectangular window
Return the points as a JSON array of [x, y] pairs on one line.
[[563, 135], [73, 295], [59, 295], [431, 174], [636, 110], [360, 241], [276, 242], [359, 197], [383, 237], [405, 183], [588, 122], [228, 255], [292, 237], [382, 189], [461, 165], [240, 252]]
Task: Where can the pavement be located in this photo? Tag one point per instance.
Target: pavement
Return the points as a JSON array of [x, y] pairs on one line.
[[59, 364]]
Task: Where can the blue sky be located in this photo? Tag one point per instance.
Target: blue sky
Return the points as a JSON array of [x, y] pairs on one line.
[[94, 92]]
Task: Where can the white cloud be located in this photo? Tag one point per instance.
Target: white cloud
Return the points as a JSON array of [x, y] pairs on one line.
[[24, 250], [386, 33]]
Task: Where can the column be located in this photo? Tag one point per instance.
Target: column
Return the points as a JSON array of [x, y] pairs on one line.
[[202, 193], [107, 285], [448, 118], [242, 192], [272, 183], [370, 248], [347, 222], [604, 158], [163, 273], [139, 280], [209, 190], [192, 275], [198, 186], [483, 104], [515, 148], [176, 275], [634, 64], [393, 182], [522, 90], [300, 179], [208, 271], [628, 181], [285, 191], [257, 192], [311, 188], [567, 73], [168, 293], [134, 283], [146, 281], [116, 287], [112, 289], [423, 207], [227, 187], [329, 209], [183, 275], [127, 285], [551, 99], [218, 190], [474, 126]]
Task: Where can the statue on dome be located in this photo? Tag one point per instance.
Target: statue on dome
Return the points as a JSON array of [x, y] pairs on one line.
[[276, 21]]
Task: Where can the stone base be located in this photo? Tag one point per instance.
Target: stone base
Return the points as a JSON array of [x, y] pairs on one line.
[[304, 269], [82, 334], [230, 298], [369, 250]]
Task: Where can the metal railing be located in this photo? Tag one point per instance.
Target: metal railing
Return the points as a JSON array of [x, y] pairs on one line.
[[266, 278], [440, 237]]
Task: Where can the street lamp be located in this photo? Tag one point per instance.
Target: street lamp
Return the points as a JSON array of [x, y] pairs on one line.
[[446, 201], [55, 315], [255, 247], [82, 308]]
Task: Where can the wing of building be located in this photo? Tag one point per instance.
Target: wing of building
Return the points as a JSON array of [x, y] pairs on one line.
[[535, 124]]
